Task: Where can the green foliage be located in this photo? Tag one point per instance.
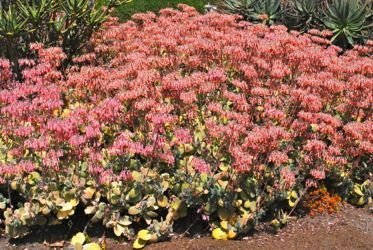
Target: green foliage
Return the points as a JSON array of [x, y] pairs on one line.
[[348, 20], [266, 11], [141, 189], [81, 241], [304, 14], [125, 12], [362, 193], [244, 8], [67, 24]]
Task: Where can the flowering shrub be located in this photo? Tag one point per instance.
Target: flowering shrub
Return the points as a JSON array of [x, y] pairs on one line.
[[178, 113]]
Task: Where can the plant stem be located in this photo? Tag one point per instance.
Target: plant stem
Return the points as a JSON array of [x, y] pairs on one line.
[[297, 201]]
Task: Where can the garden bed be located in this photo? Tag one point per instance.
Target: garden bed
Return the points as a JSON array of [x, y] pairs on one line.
[[351, 228], [224, 128]]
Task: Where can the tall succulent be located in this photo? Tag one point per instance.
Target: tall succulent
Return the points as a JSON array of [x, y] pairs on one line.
[[349, 20], [11, 26], [65, 23]]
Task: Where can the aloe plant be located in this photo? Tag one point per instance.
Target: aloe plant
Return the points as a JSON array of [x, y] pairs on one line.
[[65, 23], [11, 26], [348, 19]]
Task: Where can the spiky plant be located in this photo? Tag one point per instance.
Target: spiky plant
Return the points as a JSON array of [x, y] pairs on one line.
[[65, 23], [349, 21], [268, 11], [244, 8], [305, 14]]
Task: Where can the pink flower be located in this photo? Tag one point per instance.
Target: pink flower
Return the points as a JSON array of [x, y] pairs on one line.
[[278, 158], [318, 174], [183, 136], [200, 165], [288, 177]]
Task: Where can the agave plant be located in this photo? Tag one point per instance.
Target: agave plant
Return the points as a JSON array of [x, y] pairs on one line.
[[348, 19], [244, 8], [268, 11], [305, 14]]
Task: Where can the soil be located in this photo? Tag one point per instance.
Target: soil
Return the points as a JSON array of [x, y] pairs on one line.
[[350, 228]]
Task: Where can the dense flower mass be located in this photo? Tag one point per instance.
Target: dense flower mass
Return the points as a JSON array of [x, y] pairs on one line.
[[204, 93]]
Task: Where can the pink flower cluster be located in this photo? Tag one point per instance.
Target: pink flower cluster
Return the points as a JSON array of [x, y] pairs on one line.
[[261, 95]]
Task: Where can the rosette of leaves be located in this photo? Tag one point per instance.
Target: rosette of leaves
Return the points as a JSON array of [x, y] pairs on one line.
[[350, 21], [244, 8], [304, 14], [268, 11]]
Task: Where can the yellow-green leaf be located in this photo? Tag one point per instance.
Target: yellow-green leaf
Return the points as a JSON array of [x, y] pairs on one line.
[[139, 244], [78, 240], [232, 234], [90, 210], [88, 193], [219, 234], [66, 207], [119, 229], [74, 202], [224, 224], [91, 246], [133, 210], [144, 235], [162, 201]]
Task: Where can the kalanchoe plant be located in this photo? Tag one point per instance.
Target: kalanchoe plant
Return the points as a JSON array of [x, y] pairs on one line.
[[233, 127], [348, 19], [362, 193]]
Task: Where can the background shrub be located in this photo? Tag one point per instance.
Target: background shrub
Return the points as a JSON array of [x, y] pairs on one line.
[[67, 24], [136, 6], [350, 20], [184, 114]]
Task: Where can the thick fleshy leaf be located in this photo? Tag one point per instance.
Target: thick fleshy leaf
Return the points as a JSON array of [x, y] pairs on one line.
[[91, 246], [219, 234], [144, 235]]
